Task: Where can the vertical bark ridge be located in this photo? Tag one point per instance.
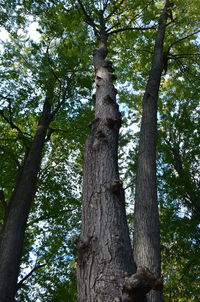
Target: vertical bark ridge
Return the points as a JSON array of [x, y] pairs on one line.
[[104, 248], [146, 217], [12, 236]]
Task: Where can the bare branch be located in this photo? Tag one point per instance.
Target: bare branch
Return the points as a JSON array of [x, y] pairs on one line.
[[60, 103], [88, 18], [109, 29], [130, 28], [182, 67], [48, 217], [115, 9], [171, 22], [10, 122], [21, 135], [145, 50], [184, 38], [21, 282], [183, 55], [50, 64], [105, 5]]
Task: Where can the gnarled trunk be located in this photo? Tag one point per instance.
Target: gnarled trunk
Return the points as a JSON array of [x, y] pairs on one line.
[[104, 248]]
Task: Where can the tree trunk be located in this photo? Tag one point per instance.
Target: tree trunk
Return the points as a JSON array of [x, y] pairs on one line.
[[12, 235], [104, 248], [146, 217]]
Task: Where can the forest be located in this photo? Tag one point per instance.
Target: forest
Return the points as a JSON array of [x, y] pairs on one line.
[[99, 151]]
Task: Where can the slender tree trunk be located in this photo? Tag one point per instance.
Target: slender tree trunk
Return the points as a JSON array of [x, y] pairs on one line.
[[146, 217], [104, 248], [12, 235]]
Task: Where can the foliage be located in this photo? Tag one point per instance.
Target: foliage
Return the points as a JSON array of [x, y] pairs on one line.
[[61, 60]]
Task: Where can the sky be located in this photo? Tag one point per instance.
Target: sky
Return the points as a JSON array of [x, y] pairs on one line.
[[32, 32]]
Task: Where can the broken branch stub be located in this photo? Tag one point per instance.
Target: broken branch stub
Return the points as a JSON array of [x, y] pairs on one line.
[[138, 285]]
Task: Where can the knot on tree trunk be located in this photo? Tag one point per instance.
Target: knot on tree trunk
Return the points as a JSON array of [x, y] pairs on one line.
[[99, 56], [138, 285], [116, 186], [111, 122], [101, 51]]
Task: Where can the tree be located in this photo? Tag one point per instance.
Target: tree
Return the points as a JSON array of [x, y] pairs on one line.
[[17, 210], [146, 217], [104, 249], [56, 90]]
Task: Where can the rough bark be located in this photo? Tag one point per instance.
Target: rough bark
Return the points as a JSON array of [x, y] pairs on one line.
[[104, 248], [146, 217], [12, 235], [106, 270]]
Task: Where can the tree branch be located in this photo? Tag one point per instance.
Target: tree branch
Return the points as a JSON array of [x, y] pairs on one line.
[[51, 66], [88, 18], [130, 28], [184, 38], [172, 21], [115, 9], [21, 282], [183, 55], [10, 122], [26, 141], [3, 201], [118, 23], [105, 5], [49, 133], [60, 103], [183, 69], [55, 2]]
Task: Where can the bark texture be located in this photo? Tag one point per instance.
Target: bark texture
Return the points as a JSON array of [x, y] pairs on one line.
[[104, 248], [12, 235], [146, 217]]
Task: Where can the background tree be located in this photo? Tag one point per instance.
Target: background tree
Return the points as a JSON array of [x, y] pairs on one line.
[[55, 84], [146, 216]]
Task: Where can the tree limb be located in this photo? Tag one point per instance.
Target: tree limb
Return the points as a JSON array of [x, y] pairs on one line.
[[2, 199], [129, 28], [115, 9], [184, 38], [172, 21], [51, 66], [118, 23], [21, 282], [60, 103], [105, 5], [88, 18], [10, 122], [183, 55], [21, 135]]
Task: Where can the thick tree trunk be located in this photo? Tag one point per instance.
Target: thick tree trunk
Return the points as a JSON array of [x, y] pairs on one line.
[[104, 248], [146, 217], [12, 235]]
